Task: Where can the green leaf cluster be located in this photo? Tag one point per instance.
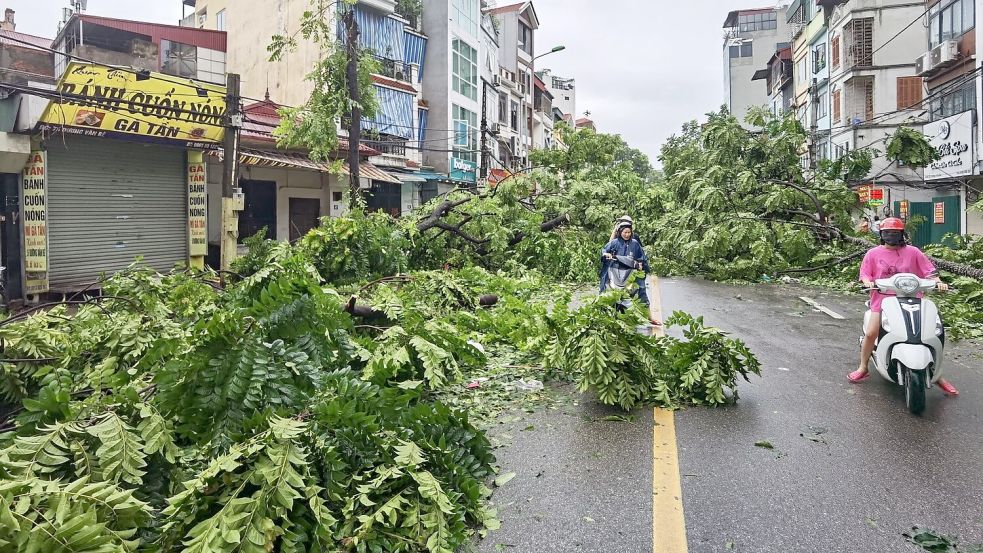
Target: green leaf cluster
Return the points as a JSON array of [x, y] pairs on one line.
[[605, 353]]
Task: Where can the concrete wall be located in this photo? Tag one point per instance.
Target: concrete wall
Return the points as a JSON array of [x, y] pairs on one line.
[[437, 82], [250, 24]]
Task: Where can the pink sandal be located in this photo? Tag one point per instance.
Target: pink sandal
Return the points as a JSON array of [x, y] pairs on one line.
[[857, 376], [948, 389]]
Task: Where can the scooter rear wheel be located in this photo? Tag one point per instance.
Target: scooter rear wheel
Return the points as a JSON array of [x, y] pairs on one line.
[[914, 390]]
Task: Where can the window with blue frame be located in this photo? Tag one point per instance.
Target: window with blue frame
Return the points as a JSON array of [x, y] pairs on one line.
[[950, 20], [465, 133], [465, 14], [465, 69]]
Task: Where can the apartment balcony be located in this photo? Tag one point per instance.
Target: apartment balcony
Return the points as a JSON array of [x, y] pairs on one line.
[[397, 69]]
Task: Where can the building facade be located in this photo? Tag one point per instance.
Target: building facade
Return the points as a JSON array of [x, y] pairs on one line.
[[452, 86], [393, 135], [751, 38], [948, 67], [517, 24], [564, 92], [873, 83]]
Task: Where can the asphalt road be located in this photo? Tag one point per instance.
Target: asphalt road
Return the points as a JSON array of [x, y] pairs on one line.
[[850, 469]]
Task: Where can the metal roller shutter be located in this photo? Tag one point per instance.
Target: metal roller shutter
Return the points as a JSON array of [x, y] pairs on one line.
[[110, 202]]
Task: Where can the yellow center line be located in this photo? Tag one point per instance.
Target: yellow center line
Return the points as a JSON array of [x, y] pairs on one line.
[[668, 522]]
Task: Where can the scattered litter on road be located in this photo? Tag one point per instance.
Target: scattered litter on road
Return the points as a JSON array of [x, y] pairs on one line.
[[783, 368], [476, 346], [816, 305], [729, 546], [588, 519], [816, 434], [529, 428], [504, 479], [526, 385], [764, 444]]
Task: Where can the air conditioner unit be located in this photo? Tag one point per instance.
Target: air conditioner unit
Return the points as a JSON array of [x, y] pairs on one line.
[[923, 64], [202, 18], [400, 75], [945, 53], [496, 80], [495, 128]]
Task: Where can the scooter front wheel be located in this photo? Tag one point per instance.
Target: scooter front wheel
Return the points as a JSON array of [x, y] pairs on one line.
[[914, 390]]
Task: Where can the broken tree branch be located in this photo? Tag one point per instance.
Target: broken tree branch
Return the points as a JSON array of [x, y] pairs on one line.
[[545, 227], [826, 266]]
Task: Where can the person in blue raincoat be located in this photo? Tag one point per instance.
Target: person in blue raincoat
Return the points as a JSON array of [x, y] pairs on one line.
[[624, 244], [605, 261]]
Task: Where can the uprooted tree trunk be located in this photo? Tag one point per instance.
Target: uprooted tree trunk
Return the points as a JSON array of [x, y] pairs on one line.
[[436, 220]]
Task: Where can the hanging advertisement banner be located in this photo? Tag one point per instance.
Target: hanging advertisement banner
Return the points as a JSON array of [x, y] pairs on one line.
[[904, 208], [197, 206], [34, 222], [876, 198], [34, 206], [939, 213], [863, 193], [102, 102]]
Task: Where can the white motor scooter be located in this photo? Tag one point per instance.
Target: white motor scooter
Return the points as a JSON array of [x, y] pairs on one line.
[[909, 348]]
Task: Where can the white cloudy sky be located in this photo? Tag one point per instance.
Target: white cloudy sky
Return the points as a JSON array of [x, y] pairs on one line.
[[643, 67]]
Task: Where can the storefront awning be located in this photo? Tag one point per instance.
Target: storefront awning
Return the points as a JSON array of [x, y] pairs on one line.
[[261, 158], [430, 175], [264, 158], [369, 171], [408, 177]]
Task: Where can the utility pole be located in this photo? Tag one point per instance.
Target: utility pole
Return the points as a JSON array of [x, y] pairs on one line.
[[230, 176], [814, 125], [484, 129], [355, 125]]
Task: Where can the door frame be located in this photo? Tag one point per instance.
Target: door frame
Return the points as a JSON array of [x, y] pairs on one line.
[[11, 234], [271, 230], [320, 210]]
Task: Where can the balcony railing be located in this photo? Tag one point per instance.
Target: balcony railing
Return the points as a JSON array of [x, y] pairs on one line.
[[396, 69]]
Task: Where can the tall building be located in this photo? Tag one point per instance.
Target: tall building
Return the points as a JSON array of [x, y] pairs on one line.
[[872, 51], [517, 24], [951, 73], [751, 38], [494, 117], [452, 86], [564, 92]]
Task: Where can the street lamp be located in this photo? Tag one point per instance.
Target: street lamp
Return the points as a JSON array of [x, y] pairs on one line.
[[555, 49]]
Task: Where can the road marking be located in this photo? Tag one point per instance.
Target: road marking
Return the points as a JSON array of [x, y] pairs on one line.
[[668, 522], [825, 310]]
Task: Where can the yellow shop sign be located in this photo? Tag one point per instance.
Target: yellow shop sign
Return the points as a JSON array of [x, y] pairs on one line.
[[106, 102]]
